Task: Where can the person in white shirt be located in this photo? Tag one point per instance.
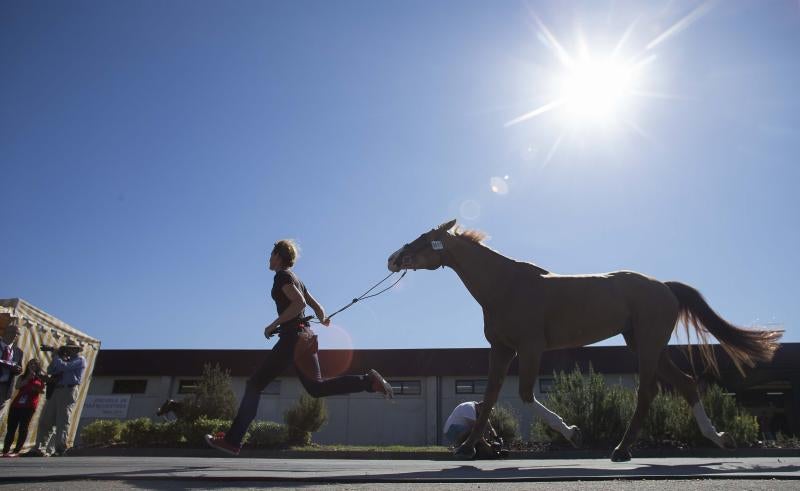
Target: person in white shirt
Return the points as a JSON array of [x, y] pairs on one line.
[[459, 425]]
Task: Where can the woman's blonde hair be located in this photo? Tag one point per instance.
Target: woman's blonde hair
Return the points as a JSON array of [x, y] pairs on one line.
[[288, 250]]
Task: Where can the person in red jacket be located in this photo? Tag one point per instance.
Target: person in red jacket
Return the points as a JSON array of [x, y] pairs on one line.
[[30, 385]]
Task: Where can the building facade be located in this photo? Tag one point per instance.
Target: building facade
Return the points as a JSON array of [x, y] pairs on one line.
[[428, 384]]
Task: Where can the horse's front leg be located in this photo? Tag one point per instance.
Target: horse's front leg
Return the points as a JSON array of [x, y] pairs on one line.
[[499, 359]]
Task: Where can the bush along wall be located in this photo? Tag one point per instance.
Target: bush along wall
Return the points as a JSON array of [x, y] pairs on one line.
[[305, 418], [302, 420], [143, 432], [506, 423], [603, 411]]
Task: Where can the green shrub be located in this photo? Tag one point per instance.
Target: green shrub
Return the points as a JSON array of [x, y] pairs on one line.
[[166, 433], [137, 432], [101, 432], [214, 397], [667, 419], [723, 411], [601, 412], [505, 422], [681, 426], [730, 417], [267, 434], [305, 418], [195, 431], [786, 441], [744, 429]]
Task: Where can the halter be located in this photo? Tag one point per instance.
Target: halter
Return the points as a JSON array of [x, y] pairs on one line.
[[414, 248]]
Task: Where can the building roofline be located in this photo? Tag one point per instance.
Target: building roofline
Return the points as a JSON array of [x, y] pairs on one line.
[[408, 362]]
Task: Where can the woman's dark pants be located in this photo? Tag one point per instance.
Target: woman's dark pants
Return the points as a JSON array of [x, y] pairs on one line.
[[307, 366], [18, 417]]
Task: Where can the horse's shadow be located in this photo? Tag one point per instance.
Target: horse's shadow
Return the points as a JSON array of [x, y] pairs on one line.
[[542, 473], [577, 471], [171, 477]]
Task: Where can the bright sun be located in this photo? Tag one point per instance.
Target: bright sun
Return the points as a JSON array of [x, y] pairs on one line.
[[595, 90]]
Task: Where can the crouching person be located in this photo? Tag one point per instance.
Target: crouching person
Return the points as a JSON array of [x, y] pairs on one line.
[[459, 425]]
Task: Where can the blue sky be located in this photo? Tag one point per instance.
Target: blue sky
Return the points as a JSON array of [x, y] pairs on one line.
[[152, 152]]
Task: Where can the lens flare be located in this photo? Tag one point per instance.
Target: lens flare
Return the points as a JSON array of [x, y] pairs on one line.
[[337, 355], [499, 185], [470, 209]]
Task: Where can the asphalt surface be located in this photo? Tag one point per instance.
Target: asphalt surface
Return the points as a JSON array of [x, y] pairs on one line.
[[660, 485], [208, 473]]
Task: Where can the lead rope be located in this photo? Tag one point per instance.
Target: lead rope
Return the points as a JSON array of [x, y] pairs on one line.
[[363, 296]]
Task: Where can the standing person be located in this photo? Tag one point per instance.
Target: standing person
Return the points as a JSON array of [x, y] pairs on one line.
[[296, 344], [30, 385], [67, 368], [10, 362]]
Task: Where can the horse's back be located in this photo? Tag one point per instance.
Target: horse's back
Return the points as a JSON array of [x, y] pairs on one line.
[[591, 307]]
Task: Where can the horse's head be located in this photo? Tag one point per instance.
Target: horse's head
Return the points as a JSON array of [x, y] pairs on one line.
[[425, 252]]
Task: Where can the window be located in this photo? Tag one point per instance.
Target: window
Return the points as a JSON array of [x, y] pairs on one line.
[[129, 387], [470, 386], [273, 389], [188, 386], [406, 387], [546, 384]]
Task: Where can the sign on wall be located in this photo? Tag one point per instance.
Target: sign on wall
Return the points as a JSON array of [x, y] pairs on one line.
[[106, 407]]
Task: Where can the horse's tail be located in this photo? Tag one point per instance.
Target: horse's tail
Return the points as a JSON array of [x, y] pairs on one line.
[[744, 346]]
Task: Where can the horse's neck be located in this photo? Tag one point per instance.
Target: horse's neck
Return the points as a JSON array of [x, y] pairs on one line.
[[481, 269]]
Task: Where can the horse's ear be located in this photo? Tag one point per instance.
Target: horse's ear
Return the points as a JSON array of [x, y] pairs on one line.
[[447, 226]]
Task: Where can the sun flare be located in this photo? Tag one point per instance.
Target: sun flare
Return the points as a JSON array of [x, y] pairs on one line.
[[595, 90]]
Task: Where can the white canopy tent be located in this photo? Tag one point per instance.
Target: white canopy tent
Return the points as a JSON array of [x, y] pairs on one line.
[[37, 328]]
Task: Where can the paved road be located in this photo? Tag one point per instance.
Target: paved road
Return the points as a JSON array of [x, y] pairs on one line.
[[660, 485], [216, 472]]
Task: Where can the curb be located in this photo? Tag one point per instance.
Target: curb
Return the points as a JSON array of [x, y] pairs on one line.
[[446, 455]]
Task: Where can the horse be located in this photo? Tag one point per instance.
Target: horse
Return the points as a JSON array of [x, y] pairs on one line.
[[528, 310]]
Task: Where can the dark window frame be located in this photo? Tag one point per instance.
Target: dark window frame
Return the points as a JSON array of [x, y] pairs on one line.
[[475, 386], [406, 387], [188, 385], [129, 386]]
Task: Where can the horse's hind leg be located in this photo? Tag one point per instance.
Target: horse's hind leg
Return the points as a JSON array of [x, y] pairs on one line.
[[687, 387], [648, 354], [528, 372]]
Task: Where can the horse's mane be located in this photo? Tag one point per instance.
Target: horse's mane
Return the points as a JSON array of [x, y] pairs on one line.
[[478, 237], [471, 234]]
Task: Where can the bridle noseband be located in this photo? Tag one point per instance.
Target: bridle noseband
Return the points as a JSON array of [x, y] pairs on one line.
[[405, 256]]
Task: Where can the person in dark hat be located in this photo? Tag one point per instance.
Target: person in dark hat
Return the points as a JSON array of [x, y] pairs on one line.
[[67, 370]]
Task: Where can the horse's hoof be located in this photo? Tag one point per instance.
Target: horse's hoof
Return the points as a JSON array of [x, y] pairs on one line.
[[728, 443], [620, 455], [577, 437], [464, 453]]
